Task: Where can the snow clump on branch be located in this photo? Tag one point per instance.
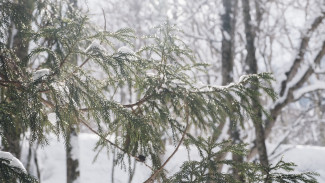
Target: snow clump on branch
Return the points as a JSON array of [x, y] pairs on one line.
[[40, 73], [13, 161]]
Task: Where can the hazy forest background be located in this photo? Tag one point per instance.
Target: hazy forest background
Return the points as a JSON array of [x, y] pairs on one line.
[[233, 38]]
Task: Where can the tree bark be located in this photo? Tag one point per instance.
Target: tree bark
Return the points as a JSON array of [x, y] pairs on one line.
[[251, 62], [20, 46], [32, 165], [227, 55], [72, 154], [287, 92], [227, 65], [72, 147], [11, 143], [227, 61]]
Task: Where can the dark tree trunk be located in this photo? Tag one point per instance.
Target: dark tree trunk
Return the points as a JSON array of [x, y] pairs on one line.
[[21, 45], [72, 148], [12, 140], [32, 165], [11, 143], [227, 55], [227, 61], [251, 62], [227, 65], [72, 154]]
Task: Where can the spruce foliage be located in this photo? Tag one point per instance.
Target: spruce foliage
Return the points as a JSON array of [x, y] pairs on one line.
[[74, 70], [7, 172]]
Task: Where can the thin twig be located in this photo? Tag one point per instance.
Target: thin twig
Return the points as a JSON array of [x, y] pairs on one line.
[[155, 174], [138, 103], [83, 63], [51, 105], [110, 142], [100, 41], [104, 19], [141, 101]]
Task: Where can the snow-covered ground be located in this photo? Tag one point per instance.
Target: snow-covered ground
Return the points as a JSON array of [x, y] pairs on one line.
[[52, 162]]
